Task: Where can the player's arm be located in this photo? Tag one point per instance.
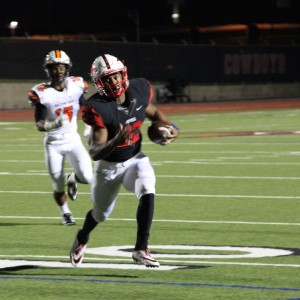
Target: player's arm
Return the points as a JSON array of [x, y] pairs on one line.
[[40, 111], [42, 124], [87, 128], [154, 114], [81, 100], [40, 115], [100, 146]]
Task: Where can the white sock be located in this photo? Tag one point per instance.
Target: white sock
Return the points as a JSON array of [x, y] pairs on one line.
[[65, 209]]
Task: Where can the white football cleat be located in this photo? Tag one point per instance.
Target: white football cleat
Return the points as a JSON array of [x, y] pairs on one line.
[[144, 257], [77, 253]]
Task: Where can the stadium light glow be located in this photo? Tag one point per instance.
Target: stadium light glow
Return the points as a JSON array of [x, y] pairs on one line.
[[13, 24]]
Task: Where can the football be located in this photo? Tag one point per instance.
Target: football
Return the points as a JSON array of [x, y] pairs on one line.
[[158, 132]]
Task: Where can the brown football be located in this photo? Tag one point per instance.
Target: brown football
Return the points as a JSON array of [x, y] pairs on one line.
[[158, 132]]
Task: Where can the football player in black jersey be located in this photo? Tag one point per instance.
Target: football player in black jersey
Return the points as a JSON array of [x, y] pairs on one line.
[[116, 113]]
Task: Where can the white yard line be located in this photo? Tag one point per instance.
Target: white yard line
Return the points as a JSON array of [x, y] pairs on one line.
[[43, 173], [173, 195], [164, 221]]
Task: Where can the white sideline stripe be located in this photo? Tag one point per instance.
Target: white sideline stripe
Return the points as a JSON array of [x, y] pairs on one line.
[[225, 177], [171, 195], [236, 143], [11, 263], [178, 143], [164, 221], [214, 222], [253, 153], [288, 152], [174, 176], [181, 151], [227, 163], [182, 162], [234, 263]]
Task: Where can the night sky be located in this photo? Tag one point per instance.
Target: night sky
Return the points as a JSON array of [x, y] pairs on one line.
[[97, 16]]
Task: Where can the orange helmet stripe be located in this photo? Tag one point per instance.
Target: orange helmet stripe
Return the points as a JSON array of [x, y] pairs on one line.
[[57, 54]]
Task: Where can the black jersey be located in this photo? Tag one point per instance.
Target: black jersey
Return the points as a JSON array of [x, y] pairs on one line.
[[101, 112]]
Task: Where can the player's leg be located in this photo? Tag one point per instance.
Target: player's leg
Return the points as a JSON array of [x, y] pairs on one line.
[[80, 160], [140, 178], [104, 191], [54, 164]]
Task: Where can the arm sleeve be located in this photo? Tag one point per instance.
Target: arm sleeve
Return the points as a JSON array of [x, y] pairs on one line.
[[40, 113], [91, 117], [81, 100]]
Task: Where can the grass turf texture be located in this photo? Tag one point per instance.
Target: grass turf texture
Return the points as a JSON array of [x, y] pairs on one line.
[[217, 185]]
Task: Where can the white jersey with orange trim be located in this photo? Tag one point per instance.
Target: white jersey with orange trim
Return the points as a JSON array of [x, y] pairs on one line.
[[57, 102], [63, 143]]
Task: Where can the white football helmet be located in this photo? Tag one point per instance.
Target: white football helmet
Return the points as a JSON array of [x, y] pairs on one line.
[[56, 57], [106, 65]]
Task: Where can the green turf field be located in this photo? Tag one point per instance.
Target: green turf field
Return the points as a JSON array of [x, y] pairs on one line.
[[226, 224]]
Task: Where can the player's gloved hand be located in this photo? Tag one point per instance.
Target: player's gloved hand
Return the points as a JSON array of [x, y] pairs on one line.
[[60, 121], [173, 134]]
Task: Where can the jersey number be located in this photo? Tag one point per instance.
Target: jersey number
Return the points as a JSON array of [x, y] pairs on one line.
[[66, 111]]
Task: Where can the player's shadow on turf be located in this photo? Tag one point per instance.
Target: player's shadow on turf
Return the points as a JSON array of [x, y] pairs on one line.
[[5, 271], [10, 270]]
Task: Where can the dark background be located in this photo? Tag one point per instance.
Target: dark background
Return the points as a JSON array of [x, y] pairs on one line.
[[188, 50], [116, 19]]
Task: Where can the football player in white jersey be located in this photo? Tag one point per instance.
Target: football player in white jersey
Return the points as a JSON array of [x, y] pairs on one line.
[[56, 107]]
